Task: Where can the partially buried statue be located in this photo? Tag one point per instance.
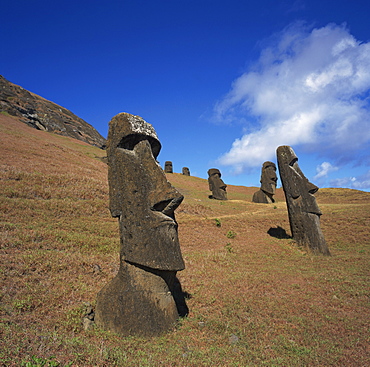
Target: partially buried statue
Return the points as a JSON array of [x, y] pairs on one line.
[[268, 184], [168, 167], [304, 213], [185, 171], [145, 297], [216, 185]]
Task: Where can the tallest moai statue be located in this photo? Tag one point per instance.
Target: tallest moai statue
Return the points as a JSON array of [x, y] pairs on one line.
[[145, 297]]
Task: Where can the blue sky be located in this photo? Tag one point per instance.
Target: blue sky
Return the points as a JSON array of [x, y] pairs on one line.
[[222, 82]]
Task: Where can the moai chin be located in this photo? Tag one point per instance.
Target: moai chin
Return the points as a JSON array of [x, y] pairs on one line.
[[216, 185], [145, 297], [168, 167], [185, 171], [268, 184], [303, 211]]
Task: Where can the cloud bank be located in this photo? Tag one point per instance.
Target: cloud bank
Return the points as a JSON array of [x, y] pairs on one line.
[[309, 88], [360, 183]]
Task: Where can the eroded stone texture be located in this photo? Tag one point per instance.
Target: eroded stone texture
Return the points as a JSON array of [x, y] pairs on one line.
[[145, 297], [216, 185], [45, 115], [268, 184], [168, 167], [304, 213], [186, 171]]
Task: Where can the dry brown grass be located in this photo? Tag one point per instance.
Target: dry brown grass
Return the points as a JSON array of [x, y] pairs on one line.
[[256, 298]]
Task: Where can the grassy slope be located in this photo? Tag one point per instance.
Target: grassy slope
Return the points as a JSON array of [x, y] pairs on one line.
[[256, 299]]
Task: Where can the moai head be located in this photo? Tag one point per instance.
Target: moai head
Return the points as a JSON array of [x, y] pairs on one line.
[[216, 185], [268, 178], [140, 195], [304, 213], [185, 171], [168, 167], [268, 184]]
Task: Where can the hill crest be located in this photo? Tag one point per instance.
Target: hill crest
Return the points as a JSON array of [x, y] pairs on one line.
[[45, 115]]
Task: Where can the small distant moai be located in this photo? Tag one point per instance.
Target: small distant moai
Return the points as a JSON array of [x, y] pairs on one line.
[[145, 297], [303, 211], [168, 167], [268, 184], [186, 171], [216, 185]]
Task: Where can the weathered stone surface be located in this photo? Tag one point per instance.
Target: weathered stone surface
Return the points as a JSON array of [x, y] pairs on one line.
[[138, 301], [168, 167], [216, 185], [145, 298], [303, 211], [140, 195], [45, 115], [268, 184], [186, 171]]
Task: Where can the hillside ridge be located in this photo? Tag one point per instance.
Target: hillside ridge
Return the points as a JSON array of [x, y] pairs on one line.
[[45, 115]]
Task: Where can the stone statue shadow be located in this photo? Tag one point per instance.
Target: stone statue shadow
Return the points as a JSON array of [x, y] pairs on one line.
[[180, 298], [279, 233]]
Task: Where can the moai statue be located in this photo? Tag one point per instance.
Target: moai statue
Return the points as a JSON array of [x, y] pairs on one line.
[[216, 185], [303, 211], [268, 184], [168, 167], [185, 171], [145, 297]]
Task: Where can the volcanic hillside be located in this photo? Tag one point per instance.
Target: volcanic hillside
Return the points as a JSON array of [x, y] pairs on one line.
[[255, 298], [45, 115]]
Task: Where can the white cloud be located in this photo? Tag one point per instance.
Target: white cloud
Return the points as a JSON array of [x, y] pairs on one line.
[[310, 88], [324, 169], [362, 182], [343, 182]]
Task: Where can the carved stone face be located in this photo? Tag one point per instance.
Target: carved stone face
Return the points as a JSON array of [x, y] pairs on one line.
[[298, 189], [268, 178], [141, 197], [185, 171], [304, 213], [216, 185], [168, 167]]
